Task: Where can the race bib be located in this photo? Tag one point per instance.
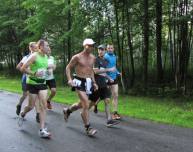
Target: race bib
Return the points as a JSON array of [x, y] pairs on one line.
[[76, 82]]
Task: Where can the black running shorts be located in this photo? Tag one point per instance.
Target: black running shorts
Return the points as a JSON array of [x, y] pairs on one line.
[[51, 83], [34, 89], [100, 94], [114, 82]]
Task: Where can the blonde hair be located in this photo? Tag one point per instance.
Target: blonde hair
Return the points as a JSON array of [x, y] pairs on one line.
[[31, 44]]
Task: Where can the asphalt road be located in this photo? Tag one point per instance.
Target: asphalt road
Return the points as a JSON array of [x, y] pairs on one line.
[[131, 135]]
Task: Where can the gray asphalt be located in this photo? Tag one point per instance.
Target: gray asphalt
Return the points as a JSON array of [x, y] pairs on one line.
[[131, 135]]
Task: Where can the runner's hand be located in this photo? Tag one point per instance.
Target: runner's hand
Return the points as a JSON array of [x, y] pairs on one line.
[[70, 83], [95, 86], [113, 69], [39, 73], [111, 80]]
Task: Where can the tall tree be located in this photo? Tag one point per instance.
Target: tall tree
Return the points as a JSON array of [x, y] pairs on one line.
[[146, 42], [159, 41]]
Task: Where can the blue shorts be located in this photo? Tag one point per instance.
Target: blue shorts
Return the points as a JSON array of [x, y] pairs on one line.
[[23, 83]]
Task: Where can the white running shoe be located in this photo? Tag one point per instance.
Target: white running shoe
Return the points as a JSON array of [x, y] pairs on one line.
[[43, 133], [21, 119]]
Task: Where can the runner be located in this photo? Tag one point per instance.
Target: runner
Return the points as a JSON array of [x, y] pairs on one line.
[[103, 92], [50, 80], [111, 59], [36, 83], [84, 80], [32, 48]]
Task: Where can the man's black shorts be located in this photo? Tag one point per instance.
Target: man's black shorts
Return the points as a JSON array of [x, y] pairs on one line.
[[101, 93], [114, 82], [82, 86], [51, 83], [35, 88]]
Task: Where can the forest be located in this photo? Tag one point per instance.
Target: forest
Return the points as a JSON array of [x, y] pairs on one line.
[[152, 38]]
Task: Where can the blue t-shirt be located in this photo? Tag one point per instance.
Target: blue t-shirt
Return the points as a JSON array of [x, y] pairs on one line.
[[111, 62]]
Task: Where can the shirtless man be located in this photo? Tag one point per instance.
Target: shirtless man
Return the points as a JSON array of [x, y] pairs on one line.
[[84, 80], [103, 92]]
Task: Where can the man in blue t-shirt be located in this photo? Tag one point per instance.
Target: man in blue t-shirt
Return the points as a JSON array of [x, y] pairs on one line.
[[111, 59]]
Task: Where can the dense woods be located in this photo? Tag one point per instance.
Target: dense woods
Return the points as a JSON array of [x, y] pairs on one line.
[[153, 38]]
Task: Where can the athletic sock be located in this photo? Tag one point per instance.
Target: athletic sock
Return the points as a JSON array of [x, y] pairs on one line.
[[87, 126]]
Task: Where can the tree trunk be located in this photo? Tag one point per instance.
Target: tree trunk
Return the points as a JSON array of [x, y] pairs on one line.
[[132, 78], [159, 42], [146, 44]]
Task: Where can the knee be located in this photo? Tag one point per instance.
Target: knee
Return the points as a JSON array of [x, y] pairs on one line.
[[24, 94], [107, 101], [115, 96], [29, 107], [42, 106], [85, 105], [53, 91]]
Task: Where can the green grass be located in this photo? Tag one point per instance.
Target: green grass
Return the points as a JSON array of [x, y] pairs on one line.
[[166, 110]]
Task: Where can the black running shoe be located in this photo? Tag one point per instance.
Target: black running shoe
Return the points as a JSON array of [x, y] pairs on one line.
[[18, 109], [66, 114], [111, 123], [95, 109], [37, 117]]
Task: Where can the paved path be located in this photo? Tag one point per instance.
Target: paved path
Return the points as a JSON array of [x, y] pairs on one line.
[[131, 135]]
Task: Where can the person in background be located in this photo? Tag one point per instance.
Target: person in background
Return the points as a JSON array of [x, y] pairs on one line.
[[111, 59], [50, 79]]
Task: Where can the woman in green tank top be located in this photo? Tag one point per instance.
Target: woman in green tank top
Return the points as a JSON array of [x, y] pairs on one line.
[[36, 68]]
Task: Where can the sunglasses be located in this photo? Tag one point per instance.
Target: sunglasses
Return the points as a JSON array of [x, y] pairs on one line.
[[101, 49], [91, 45]]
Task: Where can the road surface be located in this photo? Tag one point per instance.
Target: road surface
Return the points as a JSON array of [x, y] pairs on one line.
[[131, 135]]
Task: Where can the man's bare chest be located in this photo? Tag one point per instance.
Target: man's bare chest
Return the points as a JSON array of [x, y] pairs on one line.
[[86, 62]]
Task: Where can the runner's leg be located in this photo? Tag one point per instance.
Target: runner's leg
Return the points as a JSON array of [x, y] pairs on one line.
[[107, 108], [42, 96], [21, 100], [114, 90], [85, 107], [31, 104], [52, 94]]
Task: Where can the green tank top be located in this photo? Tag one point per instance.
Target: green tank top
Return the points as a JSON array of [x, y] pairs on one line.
[[40, 64]]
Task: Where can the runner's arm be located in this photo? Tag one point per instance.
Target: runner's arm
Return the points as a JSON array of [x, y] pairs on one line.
[[70, 65], [25, 66], [20, 64], [99, 71], [18, 67]]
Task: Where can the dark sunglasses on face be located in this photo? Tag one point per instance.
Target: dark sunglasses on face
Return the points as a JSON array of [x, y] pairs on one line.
[[91, 45], [101, 49]]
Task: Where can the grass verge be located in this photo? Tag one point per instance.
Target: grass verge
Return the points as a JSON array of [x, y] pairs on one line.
[[166, 110]]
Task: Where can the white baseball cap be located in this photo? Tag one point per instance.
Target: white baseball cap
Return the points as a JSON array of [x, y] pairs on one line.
[[88, 42]]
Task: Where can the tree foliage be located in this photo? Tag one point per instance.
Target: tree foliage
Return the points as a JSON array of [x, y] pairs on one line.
[[148, 35]]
